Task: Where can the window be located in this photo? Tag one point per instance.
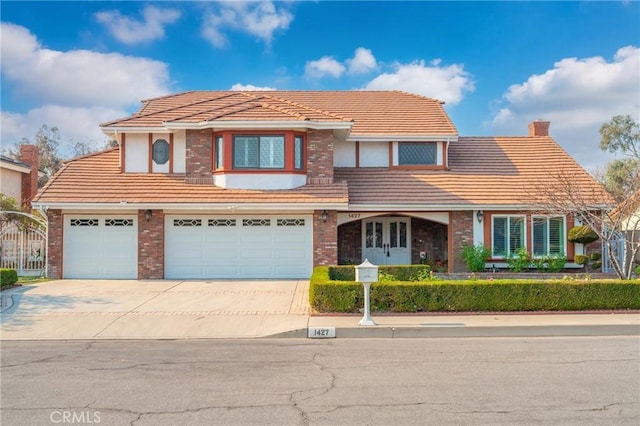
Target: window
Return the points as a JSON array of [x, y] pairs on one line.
[[414, 154], [548, 236], [219, 152], [160, 151], [298, 154], [508, 235], [258, 152]]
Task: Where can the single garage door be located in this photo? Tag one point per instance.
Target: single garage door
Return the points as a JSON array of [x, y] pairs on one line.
[[100, 247], [261, 246]]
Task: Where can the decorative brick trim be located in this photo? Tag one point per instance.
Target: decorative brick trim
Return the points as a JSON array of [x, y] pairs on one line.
[[54, 250], [325, 239], [151, 245], [199, 154]]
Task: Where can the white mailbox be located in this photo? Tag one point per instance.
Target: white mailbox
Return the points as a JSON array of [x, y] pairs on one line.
[[366, 272]]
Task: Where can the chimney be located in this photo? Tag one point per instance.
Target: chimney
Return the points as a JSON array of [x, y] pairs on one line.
[[30, 156], [539, 128]]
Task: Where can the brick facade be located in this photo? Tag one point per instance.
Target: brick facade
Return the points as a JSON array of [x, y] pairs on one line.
[[199, 154], [460, 234], [429, 237], [350, 243], [319, 156], [54, 251], [151, 245], [325, 239]]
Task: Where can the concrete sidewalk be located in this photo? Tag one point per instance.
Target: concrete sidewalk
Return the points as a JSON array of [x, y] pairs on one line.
[[130, 309]]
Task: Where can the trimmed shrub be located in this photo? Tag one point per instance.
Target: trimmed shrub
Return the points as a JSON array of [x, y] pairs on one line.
[[595, 256], [388, 273], [581, 259], [473, 295], [520, 260], [475, 256], [582, 234], [8, 277]]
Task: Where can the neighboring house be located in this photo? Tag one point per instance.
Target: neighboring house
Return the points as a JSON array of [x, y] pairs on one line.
[[216, 184], [626, 218], [19, 178]]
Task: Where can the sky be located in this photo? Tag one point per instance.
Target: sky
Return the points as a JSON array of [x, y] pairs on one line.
[[497, 65]]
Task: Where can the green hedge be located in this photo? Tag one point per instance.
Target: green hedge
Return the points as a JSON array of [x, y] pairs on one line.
[[327, 295], [8, 277]]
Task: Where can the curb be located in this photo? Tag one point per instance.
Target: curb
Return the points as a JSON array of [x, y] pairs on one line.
[[378, 332]]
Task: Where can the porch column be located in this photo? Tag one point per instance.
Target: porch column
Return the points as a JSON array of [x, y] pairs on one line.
[[325, 238], [460, 234]]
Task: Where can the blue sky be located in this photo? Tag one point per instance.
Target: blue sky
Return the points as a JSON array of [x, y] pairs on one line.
[[498, 65]]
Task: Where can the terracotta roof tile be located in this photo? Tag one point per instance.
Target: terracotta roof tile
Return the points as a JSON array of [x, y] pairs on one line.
[[372, 112], [97, 179], [483, 171]]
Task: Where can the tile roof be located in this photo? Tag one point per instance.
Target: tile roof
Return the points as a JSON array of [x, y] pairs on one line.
[[372, 112], [496, 171], [97, 179]]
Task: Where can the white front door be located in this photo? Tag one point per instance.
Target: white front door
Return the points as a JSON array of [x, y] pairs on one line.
[[386, 240]]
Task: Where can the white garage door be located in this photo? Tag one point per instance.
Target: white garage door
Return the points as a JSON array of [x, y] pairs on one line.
[[100, 247], [238, 246]]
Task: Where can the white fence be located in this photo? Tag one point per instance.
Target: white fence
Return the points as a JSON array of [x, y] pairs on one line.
[[23, 246]]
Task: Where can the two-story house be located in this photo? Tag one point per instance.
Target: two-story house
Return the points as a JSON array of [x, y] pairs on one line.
[[227, 184]]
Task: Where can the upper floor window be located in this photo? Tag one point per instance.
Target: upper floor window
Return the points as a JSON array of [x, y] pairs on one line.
[[298, 152], [219, 152], [414, 154], [160, 151], [508, 235], [258, 152], [548, 236]]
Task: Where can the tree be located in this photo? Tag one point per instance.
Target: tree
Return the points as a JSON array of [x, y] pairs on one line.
[[564, 195], [621, 135]]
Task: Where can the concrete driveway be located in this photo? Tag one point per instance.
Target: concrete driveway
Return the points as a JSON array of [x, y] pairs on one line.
[[120, 309]]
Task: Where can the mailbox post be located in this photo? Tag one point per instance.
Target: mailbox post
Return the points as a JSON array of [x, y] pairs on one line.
[[366, 273]]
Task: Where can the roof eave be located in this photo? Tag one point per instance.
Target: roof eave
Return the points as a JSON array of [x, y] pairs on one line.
[[402, 138], [214, 208]]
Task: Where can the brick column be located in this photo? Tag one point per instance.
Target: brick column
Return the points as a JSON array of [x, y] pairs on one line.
[[199, 154], [29, 155], [460, 234], [325, 239], [151, 245], [319, 156], [54, 250]]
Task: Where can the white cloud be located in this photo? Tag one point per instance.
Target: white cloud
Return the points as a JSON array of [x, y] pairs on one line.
[[131, 31], [445, 83], [577, 96], [75, 90], [77, 77], [362, 62], [322, 67], [260, 19], [74, 124], [249, 87]]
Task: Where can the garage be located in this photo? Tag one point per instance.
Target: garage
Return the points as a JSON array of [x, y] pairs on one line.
[[100, 246], [263, 246]]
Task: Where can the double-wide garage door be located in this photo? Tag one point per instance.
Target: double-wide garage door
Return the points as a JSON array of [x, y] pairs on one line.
[[257, 246], [98, 246]]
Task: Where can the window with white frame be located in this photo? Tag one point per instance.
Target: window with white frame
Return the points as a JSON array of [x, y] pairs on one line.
[[219, 152], [548, 236], [258, 152], [298, 152], [508, 235]]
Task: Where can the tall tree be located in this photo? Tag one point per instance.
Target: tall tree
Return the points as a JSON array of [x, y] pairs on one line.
[[621, 135]]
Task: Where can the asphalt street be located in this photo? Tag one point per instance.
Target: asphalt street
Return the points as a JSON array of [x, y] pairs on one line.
[[474, 381]]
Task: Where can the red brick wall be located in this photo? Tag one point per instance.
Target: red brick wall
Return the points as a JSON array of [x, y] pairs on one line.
[[319, 156], [151, 245], [350, 243], [199, 154], [430, 237], [325, 239], [54, 251], [460, 234], [29, 155]]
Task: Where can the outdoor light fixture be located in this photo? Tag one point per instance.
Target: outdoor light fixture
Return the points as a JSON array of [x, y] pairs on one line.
[[480, 215], [147, 215], [324, 216]]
